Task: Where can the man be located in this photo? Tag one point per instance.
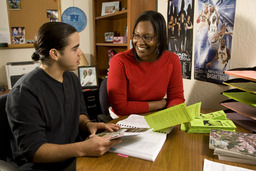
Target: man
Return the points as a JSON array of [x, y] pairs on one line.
[[222, 57], [46, 109], [91, 78]]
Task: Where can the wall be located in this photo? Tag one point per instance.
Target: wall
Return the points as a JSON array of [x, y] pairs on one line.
[[243, 49], [24, 54], [242, 54]]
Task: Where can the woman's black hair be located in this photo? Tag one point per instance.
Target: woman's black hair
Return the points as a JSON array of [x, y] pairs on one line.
[[159, 25], [51, 35]]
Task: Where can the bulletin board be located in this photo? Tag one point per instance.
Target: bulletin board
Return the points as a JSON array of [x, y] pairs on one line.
[[31, 15]]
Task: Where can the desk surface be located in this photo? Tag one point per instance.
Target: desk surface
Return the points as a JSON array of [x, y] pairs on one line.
[[181, 152]]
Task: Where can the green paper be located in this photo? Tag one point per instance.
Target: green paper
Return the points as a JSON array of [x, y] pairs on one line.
[[169, 117], [244, 97], [213, 115]]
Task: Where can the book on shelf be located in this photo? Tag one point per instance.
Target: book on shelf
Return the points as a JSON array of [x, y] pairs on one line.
[[233, 146], [241, 96], [144, 146]]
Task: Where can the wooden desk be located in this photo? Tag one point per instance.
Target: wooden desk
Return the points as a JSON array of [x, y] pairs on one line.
[[181, 152]]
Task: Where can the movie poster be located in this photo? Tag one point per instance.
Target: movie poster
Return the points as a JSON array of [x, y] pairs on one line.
[[180, 32], [213, 39]]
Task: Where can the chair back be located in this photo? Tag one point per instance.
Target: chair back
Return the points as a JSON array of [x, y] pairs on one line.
[[5, 131], [104, 102], [103, 97]]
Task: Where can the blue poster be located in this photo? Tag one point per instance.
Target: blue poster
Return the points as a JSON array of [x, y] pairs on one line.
[[213, 39], [180, 32]]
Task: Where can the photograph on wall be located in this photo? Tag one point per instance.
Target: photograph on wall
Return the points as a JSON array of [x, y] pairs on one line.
[[213, 39], [14, 4], [88, 76], [52, 15], [180, 32], [18, 35]]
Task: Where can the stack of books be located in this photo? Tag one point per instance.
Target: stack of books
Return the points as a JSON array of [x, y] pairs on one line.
[[233, 146], [203, 123]]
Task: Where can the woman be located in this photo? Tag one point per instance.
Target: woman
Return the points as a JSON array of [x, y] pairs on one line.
[[140, 77], [46, 107], [189, 41]]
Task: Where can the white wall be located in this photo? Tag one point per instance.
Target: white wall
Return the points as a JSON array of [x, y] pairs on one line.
[[243, 49], [24, 54], [243, 54]]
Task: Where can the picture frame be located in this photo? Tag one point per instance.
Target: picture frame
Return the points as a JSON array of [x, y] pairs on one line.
[[110, 7], [88, 76], [109, 36], [18, 35], [14, 4]]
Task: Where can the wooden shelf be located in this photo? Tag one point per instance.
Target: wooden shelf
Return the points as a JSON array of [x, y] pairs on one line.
[[111, 44], [121, 22], [117, 15], [17, 46]]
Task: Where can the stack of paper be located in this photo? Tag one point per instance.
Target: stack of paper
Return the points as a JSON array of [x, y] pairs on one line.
[[203, 123], [234, 146]]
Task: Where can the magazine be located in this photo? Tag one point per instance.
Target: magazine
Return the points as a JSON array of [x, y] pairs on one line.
[[233, 144]]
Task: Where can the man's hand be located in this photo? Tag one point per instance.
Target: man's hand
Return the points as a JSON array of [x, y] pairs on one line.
[[94, 126], [97, 146]]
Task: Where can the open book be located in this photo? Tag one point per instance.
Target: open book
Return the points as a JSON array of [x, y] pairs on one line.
[[145, 146], [148, 145]]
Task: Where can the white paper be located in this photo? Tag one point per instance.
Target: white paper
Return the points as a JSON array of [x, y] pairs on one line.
[[5, 37], [134, 120], [213, 166]]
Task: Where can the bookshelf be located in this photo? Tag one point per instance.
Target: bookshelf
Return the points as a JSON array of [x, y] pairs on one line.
[[242, 99], [115, 22]]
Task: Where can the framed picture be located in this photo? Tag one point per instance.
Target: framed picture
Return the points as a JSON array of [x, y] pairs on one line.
[[110, 7], [14, 4], [88, 76], [18, 35], [109, 36]]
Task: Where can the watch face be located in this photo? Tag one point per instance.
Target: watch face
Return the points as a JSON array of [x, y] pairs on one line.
[[75, 17]]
